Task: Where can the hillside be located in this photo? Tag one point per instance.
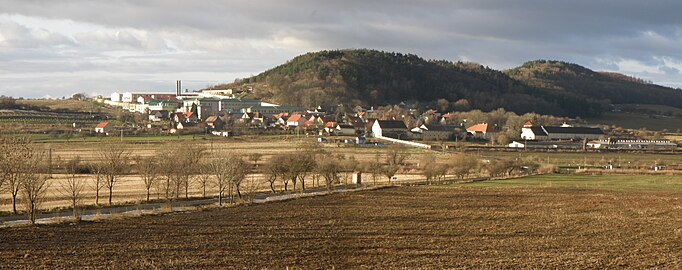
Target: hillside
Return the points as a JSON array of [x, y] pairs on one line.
[[604, 87], [374, 78]]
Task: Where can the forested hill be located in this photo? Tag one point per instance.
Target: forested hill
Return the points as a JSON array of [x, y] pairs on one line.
[[373, 78], [562, 77]]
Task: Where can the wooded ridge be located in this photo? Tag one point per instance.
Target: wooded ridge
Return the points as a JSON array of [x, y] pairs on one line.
[[375, 78]]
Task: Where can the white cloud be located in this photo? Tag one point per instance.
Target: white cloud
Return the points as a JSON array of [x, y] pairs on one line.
[[60, 46]]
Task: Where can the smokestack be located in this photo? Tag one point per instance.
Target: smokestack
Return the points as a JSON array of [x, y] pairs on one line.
[[178, 87]]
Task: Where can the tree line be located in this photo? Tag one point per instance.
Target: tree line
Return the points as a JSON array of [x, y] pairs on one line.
[[168, 174]]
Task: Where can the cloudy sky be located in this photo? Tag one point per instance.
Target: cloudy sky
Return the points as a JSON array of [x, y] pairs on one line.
[[57, 48]]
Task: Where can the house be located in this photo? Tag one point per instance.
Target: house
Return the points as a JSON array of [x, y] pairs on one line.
[[440, 132], [190, 117], [482, 131], [246, 118], [572, 133], [389, 128], [563, 132], [103, 128], [157, 116], [214, 123], [530, 132], [345, 129], [296, 120], [178, 117], [330, 127]]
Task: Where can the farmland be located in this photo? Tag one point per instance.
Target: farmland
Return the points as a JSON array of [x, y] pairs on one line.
[[529, 223], [131, 188]]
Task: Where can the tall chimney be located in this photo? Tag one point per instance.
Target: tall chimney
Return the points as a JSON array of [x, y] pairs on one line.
[[178, 87]]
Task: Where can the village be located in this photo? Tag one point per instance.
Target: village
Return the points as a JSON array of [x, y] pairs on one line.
[[225, 113]]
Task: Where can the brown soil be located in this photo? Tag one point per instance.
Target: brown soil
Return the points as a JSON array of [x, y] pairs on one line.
[[408, 227]]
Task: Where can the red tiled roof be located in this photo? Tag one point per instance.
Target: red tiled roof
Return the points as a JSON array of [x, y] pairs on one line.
[[484, 128], [330, 124], [294, 118], [102, 125]]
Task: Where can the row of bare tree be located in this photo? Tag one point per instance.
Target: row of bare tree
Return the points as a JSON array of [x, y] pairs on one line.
[[22, 168]]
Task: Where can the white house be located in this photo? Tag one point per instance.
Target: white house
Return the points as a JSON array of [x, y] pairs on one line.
[[389, 128], [296, 120], [103, 128]]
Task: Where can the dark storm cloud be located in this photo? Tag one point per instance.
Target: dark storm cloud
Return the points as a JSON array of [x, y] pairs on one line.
[[234, 38]]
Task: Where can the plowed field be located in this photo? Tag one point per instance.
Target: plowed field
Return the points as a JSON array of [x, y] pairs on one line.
[[407, 227]]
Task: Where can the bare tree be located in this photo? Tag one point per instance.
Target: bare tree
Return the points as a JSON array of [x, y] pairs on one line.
[[221, 174], [279, 165], [204, 178], [170, 171], [396, 157], [328, 168], [374, 167], [15, 154], [306, 165], [463, 164], [428, 167], [115, 160], [237, 169], [190, 155], [148, 168], [73, 185], [33, 184], [271, 171], [98, 170], [349, 165]]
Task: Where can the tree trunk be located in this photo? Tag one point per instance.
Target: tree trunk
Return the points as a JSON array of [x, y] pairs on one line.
[[187, 189], [302, 184], [147, 195], [239, 194], [272, 187], [110, 191], [97, 194], [220, 198], [75, 212], [32, 213], [14, 203], [204, 193], [230, 191]]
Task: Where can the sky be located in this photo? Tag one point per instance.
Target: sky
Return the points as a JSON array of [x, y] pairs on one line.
[[52, 48]]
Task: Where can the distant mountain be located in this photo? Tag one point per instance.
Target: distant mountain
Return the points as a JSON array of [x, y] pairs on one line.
[[604, 87], [372, 78]]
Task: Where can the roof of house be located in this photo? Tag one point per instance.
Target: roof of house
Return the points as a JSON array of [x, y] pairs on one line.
[[396, 124], [327, 119], [346, 126], [189, 114], [441, 127], [294, 118], [573, 130], [330, 124], [538, 131], [102, 124], [484, 128], [212, 119]]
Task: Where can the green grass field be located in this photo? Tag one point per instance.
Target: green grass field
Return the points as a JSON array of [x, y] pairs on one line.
[[603, 182]]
